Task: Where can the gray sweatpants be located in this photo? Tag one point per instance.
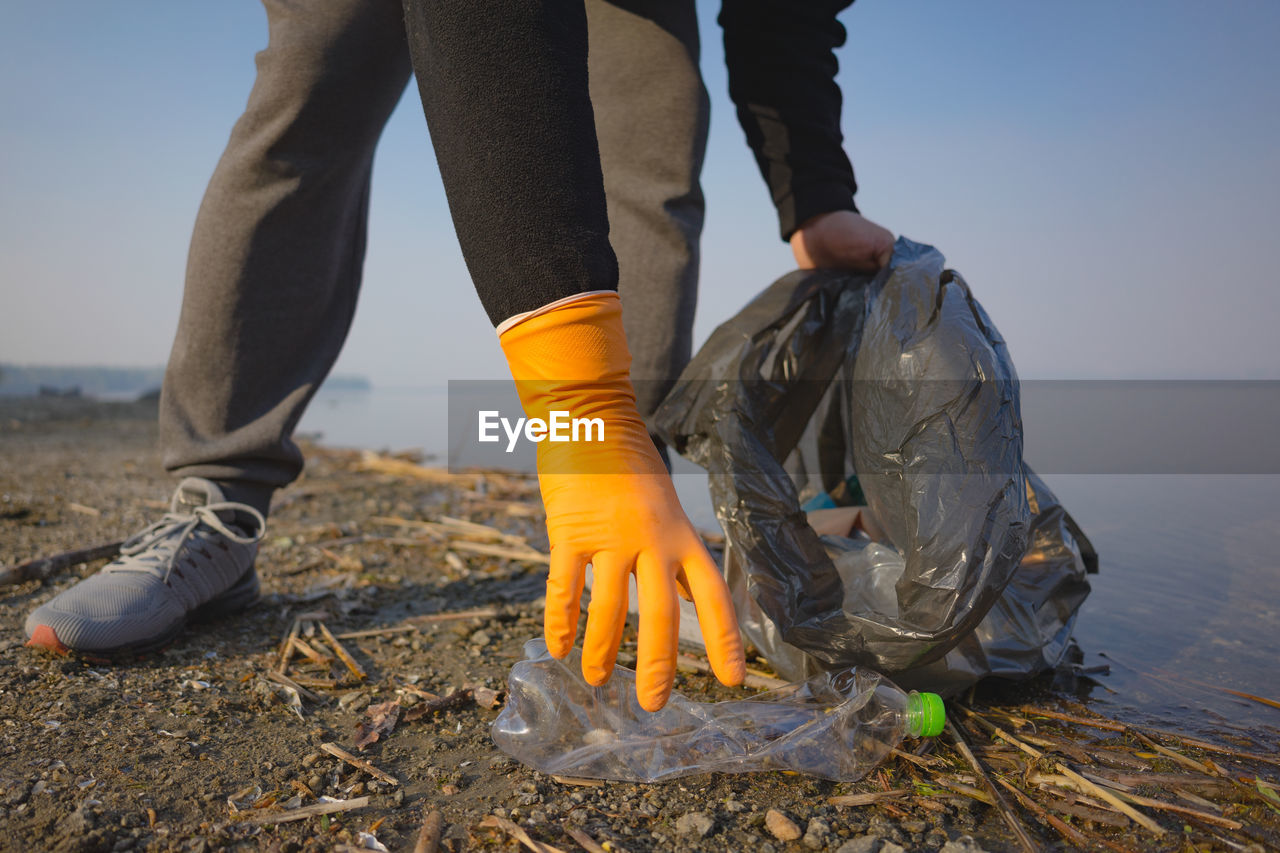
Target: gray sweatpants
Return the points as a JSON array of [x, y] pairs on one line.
[[277, 253]]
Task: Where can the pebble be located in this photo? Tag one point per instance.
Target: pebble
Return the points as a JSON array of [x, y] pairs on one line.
[[861, 844], [480, 638], [816, 834], [963, 844], [356, 700], [79, 822], [780, 826], [695, 823], [17, 795], [733, 806], [890, 847]]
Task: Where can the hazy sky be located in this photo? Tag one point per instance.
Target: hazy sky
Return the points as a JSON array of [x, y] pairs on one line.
[[1105, 175]]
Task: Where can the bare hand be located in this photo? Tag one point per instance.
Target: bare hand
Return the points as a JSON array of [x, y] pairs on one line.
[[842, 239]]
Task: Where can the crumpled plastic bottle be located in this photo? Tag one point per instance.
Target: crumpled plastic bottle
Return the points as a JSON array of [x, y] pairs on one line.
[[836, 725]]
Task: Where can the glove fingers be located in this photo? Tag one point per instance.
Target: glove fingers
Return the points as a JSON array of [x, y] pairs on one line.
[[605, 617], [564, 592], [659, 633], [716, 617], [682, 586]]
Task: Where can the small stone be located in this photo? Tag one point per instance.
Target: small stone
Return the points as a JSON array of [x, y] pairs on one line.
[[316, 784], [780, 826], [449, 790], [695, 823], [816, 834], [480, 638], [861, 844], [354, 701], [891, 847], [733, 806], [310, 758], [914, 826], [79, 822], [963, 844], [17, 795], [935, 839]]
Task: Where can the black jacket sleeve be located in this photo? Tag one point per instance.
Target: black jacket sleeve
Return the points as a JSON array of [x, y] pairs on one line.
[[782, 69]]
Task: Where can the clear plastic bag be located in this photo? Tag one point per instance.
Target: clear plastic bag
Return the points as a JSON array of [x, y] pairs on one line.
[[835, 725], [901, 381]]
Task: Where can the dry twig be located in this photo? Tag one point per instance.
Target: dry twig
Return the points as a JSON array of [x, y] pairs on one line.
[[576, 780], [867, 799], [588, 843], [519, 834], [359, 763], [378, 464], [432, 618], [376, 632], [45, 567], [1108, 725], [429, 835], [753, 678], [342, 654], [310, 811], [281, 678], [286, 646], [1092, 788], [431, 706], [524, 554], [302, 646], [1019, 831], [1066, 830]]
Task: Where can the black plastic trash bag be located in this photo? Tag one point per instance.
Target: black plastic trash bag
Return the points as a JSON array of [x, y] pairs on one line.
[[898, 384]]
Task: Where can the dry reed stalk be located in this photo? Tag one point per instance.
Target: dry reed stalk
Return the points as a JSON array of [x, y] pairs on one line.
[[1019, 831]]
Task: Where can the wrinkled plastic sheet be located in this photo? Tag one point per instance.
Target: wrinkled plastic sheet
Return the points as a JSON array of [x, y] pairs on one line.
[[902, 380], [835, 725]]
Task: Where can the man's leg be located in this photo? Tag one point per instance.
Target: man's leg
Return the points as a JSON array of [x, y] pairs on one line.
[[276, 256], [271, 286], [651, 114]]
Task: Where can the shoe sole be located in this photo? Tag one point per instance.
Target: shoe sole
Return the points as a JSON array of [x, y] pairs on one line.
[[244, 593]]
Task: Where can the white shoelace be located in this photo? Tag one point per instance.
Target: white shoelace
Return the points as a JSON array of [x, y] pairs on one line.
[[174, 528]]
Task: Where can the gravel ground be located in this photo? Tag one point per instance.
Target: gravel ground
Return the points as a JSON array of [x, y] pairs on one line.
[[186, 748]]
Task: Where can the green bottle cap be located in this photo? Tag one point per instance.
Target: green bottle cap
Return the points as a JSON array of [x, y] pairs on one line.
[[926, 716]]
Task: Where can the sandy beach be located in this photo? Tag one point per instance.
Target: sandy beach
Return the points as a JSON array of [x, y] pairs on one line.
[[201, 747]]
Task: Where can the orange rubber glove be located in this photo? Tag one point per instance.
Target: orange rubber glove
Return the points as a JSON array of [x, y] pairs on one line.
[[611, 503]]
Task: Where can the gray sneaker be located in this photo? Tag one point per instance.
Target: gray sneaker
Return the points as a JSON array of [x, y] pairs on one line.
[[195, 562]]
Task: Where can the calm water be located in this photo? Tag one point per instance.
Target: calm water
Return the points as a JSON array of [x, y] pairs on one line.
[[1187, 601]]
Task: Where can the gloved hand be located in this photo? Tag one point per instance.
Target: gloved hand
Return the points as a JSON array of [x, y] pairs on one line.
[[611, 503], [841, 239]]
